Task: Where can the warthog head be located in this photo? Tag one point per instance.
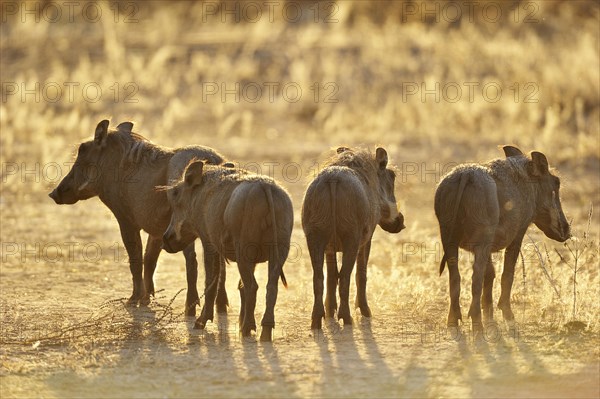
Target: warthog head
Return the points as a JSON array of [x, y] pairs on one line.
[[83, 179], [391, 220], [549, 216], [179, 234]]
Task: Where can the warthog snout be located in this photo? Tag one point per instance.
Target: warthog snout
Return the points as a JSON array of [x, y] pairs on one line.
[[61, 197], [565, 231], [394, 226], [169, 243], [54, 196]]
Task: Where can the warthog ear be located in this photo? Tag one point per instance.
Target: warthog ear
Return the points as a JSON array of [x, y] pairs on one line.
[[125, 126], [538, 166], [342, 149], [381, 158], [511, 151], [193, 173], [101, 132]]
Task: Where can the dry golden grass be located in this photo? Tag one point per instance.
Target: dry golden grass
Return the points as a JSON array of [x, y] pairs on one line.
[[367, 61]]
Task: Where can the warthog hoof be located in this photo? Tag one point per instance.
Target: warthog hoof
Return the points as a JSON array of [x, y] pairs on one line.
[[488, 317], [265, 334], [145, 301], [247, 330], [190, 308], [317, 314], [221, 307], [344, 314], [199, 324], [506, 311], [205, 316], [512, 329], [133, 300], [330, 307], [365, 311], [149, 288], [453, 317], [316, 324], [479, 337], [454, 333], [330, 313], [477, 327]]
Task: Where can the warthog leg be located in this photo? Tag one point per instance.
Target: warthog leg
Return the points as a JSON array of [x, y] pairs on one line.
[[348, 259], [191, 270], [268, 322], [242, 303], [332, 283], [482, 254], [222, 301], [488, 285], [212, 271], [510, 259], [454, 281], [361, 280], [153, 248], [133, 245], [316, 249], [250, 287]]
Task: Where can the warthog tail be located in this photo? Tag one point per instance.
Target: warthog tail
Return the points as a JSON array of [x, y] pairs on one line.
[[447, 239], [443, 264], [269, 195], [283, 280]]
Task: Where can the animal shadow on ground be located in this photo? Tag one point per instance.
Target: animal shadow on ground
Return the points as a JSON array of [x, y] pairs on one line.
[[500, 367]]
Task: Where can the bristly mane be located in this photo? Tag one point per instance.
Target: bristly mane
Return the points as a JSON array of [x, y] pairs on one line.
[[359, 160], [515, 166], [137, 149]]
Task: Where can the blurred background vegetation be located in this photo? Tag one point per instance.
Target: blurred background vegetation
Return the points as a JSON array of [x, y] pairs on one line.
[[153, 61]]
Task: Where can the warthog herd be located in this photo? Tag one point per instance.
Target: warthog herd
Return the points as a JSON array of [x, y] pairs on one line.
[[178, 195]]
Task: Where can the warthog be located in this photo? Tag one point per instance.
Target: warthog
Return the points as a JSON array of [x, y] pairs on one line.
[[488, 207], [342, 207], [122, 168], [238, 215]]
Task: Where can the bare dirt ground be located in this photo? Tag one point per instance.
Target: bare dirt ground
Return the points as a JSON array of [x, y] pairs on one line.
[[66, 333], [134, 353], [64, 274]]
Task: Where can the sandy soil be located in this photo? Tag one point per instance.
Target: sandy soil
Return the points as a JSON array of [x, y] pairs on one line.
[[108, 350]]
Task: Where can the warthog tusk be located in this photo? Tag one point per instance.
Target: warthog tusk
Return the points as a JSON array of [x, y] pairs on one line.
[[178, 230], [84, 185]]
